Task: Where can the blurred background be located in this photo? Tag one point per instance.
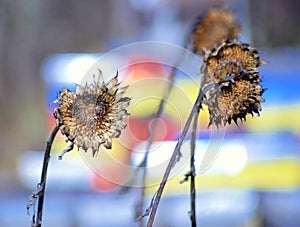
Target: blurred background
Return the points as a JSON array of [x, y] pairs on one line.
[[45, 44]]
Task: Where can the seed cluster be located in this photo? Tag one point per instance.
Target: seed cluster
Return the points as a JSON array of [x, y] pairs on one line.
[[233, 67], [94, 114]]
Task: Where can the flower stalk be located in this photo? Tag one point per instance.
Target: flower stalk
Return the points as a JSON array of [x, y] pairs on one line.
[[173, 159], [143, 165], [42, 185], [193, 170]]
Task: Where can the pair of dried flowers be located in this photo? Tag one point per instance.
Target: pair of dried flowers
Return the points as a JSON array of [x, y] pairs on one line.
[[230, 87], [230, 65]]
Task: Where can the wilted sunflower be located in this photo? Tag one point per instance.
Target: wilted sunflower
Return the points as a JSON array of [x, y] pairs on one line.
[[213, 28], [229, 58], [233, 68], [234, 100], [93, 114]]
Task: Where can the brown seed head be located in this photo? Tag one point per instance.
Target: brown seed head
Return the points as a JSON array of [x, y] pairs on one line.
[[213, 28], [233, 69], [229, 58], [92, 115], [235, 100]]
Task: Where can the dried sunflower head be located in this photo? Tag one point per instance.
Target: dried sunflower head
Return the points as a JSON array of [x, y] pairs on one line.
[[93, 114], [233, 68], [213, 28], [234, 100], [229, 58]]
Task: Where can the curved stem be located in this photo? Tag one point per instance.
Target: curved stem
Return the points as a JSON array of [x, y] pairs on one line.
[[157, 115], [42, 183], [192, 170], [173, 159]]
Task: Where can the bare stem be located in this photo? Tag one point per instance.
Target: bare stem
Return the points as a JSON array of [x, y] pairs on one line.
[[192, 170], [143, 165], [42, 183], [173, 159]]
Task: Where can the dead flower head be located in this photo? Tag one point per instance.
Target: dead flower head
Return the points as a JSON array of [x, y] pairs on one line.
[[234, 100], [229, 58], [233, 68], [213, 28], [93, 114]]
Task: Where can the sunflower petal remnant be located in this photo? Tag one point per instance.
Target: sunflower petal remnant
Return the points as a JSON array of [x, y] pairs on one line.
[[213, 28], [93, 114], [233, 68]]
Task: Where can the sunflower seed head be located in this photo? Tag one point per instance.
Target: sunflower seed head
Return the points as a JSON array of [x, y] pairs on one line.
[[94, 114], [213, 28], [230, 57], [233, 67]]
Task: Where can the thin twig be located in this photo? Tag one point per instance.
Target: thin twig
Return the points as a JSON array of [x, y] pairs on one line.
[[173, 159], [42, 184], [192, 170], [143, 164]]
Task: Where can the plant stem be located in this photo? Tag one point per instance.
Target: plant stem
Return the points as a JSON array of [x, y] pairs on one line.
[[173, 159], [192, 170], [143, 165], [42, 183], [157, 115]]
